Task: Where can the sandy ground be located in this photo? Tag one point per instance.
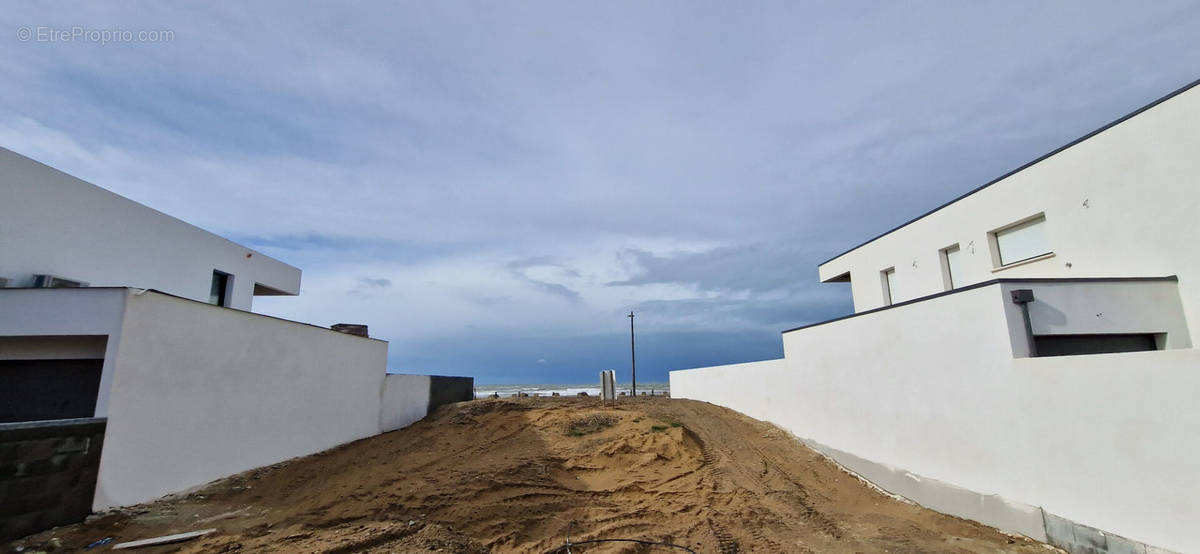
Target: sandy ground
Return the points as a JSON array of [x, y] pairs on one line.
[[516, 475]]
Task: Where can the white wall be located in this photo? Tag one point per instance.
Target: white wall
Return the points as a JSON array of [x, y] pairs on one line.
[[405, 401], [66, 313], [1121, 203], [933, 387], [202, 392], [740, 379], [53, 223], [77, 347], [1098, 307]]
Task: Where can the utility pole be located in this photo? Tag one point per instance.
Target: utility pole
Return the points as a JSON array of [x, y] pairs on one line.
[[632, 354]]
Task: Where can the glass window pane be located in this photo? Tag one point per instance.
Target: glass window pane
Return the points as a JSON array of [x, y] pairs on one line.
[[953, 264], [1024, 241]]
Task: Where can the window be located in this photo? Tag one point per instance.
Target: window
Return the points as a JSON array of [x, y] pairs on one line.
[[887, 279], [952, 274], [1020, 242], [218, 295]]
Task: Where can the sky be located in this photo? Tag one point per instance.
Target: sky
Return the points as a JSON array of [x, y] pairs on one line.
[[493, 186]]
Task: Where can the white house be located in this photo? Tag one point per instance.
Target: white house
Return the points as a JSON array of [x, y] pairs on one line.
[[112, 310], [1020, 355]]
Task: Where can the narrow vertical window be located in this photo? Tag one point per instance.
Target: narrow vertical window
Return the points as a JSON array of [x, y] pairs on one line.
[[218, 295], [952, 267], [887, 278]]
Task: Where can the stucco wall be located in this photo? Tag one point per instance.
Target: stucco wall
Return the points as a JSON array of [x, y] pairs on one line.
[[405, 401], [53, 223], [933, 388], [75, 316], [739, 379], [1118, 204], [201, 392]]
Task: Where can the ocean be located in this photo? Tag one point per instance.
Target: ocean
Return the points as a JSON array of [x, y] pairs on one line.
[[484, 391]]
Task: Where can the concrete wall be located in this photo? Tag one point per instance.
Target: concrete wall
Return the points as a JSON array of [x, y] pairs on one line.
[[47, 474], [53, 223], [409, 398], [934, 388], [202, 392], [195, 392], [1120, 203], [1098, 307], [405, 401], [79, 347], [64, 323], [444, 389]]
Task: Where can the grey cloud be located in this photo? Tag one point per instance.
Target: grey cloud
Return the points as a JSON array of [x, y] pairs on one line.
[[422, 135], [776, 313], [518, 268], [375, 283], [757, 267]]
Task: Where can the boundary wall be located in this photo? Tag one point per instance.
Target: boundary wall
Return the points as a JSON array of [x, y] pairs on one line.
[[409, 398], [194, 392], [928, 401]]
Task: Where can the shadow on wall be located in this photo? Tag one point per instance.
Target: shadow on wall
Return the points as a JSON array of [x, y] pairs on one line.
[[448, 390]]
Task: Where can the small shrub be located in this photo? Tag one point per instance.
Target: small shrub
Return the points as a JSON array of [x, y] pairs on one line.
[[589, 424], [658, 428]]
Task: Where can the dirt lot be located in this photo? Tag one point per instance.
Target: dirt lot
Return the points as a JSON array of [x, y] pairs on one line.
[[517, 475]]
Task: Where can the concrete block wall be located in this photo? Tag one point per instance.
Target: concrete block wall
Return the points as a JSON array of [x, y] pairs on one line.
[[47, 473]]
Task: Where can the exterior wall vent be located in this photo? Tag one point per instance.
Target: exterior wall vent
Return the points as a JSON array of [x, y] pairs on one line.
[[55, 282]]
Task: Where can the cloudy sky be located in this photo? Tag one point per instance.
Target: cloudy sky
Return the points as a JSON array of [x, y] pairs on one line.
[[492, 186]]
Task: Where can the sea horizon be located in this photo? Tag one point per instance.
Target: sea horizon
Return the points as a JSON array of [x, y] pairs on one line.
[[573, 389]]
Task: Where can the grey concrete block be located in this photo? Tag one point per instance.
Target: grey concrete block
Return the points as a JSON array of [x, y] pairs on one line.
[[1091, 537], [944, 497], [1121, 545], [50, 479], [1077, 538], [1157, 550], [1060, 532]]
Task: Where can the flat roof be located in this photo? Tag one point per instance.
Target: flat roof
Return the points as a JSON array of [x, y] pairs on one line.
[[1173, 94]]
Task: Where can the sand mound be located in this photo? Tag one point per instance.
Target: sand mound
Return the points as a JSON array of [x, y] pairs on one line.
[[515, 475]]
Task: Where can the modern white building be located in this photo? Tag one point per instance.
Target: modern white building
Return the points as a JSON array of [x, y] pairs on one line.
[[112, 310], [1023, 355]]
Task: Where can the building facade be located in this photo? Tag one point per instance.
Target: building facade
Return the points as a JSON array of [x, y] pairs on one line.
[[1023, 355], [117, 317], [59, 226]]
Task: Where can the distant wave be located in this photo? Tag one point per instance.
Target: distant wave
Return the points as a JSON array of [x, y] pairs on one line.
[[484, 391]]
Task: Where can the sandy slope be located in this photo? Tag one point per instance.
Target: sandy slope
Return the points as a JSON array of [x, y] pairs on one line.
[[512, 475]]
